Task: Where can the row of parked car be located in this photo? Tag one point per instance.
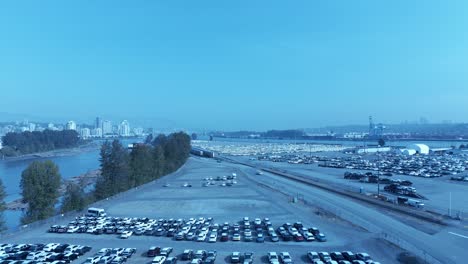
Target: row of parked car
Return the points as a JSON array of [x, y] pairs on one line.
[[111, 256], [41, 253], [223, 181], [299, 233], [460, 178], [200, 229], [163, 256], [427, 166], [345, 257], [396, 186], [370, 177]]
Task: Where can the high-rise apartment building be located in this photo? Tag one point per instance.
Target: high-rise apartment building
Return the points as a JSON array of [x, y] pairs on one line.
[[106, 127], [85, 133], [124, 129]]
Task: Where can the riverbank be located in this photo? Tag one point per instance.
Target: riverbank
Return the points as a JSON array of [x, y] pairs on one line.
[[93, 145], [84, 180]]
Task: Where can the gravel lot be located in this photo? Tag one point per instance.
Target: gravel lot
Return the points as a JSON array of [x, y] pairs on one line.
[[247, 198]]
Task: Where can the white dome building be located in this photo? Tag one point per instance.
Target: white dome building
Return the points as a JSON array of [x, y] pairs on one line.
[[421, 149]]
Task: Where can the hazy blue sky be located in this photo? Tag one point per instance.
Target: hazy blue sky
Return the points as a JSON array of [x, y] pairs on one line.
[[236, 64]]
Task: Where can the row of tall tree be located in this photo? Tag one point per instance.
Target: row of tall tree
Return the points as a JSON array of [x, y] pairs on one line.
[[30, 142], [121, 170]]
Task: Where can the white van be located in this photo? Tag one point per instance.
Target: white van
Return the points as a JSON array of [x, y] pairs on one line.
[[96, 212]]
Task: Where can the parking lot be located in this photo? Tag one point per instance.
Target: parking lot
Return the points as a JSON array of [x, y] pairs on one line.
[[199, 230], [439, 192], [427, 166], [221, 205]]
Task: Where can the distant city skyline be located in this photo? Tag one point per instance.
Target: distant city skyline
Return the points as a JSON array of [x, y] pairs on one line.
[[99, 129], [112, 125], [235, 65]]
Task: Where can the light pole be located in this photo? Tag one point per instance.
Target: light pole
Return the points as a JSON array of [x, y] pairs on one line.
[[450, 204], [378, 175], [378, 184]]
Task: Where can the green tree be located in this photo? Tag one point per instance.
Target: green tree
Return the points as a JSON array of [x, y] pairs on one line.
[[9, 151], [29, 142], [149, 139], [121, 171], [2, 207], [159, 162], [74, 198], [176, 151], [40, 183], [115, 171], [141, 165], [102, 189], [381, 142], [120, 167]]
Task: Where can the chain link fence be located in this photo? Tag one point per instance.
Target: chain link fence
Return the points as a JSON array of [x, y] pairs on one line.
[[403, 244]]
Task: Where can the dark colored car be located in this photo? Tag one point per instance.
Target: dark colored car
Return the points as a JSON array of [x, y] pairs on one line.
[[287, 237], [315, 231], [248, 257], [153, 251], [298, 238], [20, 255], [337, 256], [170, 232], [260, 238], [298, 225], [210, 257], [348, 255], [60, 248], [159, 232], [69, 257], [187, 255], [171, 260], [224, 237]]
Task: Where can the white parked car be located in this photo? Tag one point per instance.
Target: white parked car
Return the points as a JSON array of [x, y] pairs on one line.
[[158, 260], [212, 238], [72, 229], [126, 234]]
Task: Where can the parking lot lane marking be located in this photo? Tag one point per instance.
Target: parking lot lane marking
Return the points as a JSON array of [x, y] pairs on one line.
[[455, 234]]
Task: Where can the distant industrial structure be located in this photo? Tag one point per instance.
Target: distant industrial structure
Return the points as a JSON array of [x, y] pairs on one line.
[[376, 131]]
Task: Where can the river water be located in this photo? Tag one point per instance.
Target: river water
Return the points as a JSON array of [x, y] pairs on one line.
[[70, 165]]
